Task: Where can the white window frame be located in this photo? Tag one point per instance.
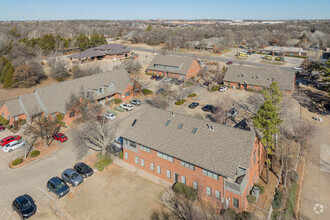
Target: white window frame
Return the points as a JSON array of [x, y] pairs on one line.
[[136, 160], [183, 179], [237, 207], [159, 169], [126, 155], [142, 162], [168, 174], [217, 194], [208, 191], [152, 166], [195, 185]]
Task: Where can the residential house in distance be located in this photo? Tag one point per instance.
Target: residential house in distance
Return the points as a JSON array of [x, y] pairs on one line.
[[174, 66], [256, 78], [53, 99], [191, 44], [210, 44], [107, 51], [221, 162], [284, 51]]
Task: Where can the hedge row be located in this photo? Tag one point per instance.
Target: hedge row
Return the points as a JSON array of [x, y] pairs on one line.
[[146, 91], [3, 121]]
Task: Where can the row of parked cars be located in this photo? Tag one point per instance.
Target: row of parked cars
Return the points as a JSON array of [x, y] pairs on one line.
[[210, 108], [25, 206], [174, 81], [126, 106]]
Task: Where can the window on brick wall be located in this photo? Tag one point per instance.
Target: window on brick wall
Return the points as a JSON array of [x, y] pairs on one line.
[[183, 179], [168, 174], [158, 169], [210, 174], [145, 149], [187, 165], [235, 203], [142, 162], [71, 114], [126, 155], [195, 185], [136, 160], [127, 94], [152, 166], [208, 191], [254, 157], [165, 156], [217, 194]]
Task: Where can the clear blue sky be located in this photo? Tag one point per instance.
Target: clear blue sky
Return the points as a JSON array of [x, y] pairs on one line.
[[163, 9]]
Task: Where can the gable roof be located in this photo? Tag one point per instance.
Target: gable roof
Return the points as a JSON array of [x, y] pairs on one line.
[[107, 49], [30, 104], [14, 107], [55, 96], [183, 63], [261, 76], [221, 151]]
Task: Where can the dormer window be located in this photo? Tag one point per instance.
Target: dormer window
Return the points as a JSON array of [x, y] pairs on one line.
[[101, 90], [111, 87]]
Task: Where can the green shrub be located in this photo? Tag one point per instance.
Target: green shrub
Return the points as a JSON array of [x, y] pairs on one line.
[[112, 112], [17, 161], [187, 83], [185, 190], [21, 122], [245, 215], [293, 176], [9, 126], [120, 155], [180, 102], [291, 203], [117, 101], [3, 121], [261, 187], [231, 214], [150, 74], [251, 199], [34, 153], [192, 95], [120, 109], [277, 203], [146, 91], [100, 165], [215, 88]]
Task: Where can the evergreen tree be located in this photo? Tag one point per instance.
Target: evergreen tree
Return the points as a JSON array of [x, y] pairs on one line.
[[268, 120], [149, 28], [9, 76], [5, 67], [83, 42]]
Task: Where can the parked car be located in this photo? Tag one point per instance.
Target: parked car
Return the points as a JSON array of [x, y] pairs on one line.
[[179, 82], [102, 119], [72, 177], [167, 79], [230, 62], [83, 169], [207, 108], [153, 77], [232, 112], [193, 105], [223, 88], [173, 80], [13, 145], [109, 116], [296, 68], [9, 139], [24, 205], [201, 62], [58, 186], [136, 102], [206, 84], [158, 78], [126, 106], [2, 128], [60, 137]]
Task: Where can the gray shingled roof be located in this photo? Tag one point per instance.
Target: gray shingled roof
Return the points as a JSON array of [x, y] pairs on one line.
[[184, 63], [221, 151], [260, 76], [30, 104], [14, 107], [55, 96], [107, 49]]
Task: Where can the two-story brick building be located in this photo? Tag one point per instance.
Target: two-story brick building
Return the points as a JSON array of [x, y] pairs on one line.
[[258, 78], [174, 66], [53, 99], [221, 162]]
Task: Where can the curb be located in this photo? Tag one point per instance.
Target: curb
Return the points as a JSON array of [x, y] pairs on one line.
[[33, 161]]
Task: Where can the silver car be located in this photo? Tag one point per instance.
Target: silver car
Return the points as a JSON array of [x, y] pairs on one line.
[[72, 177]]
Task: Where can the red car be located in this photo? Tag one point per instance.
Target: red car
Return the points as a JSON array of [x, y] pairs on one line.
[[229, 63], [60, 137], [153, 77], [9, 139]]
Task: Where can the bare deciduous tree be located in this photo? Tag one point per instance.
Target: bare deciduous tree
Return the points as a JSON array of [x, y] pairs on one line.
[[158, 102], [223, 107], [94, 136], [58, 70]]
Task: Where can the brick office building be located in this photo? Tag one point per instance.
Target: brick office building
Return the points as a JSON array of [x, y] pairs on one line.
[[52, 99], [221, 162], [174, 66], [257, 78]]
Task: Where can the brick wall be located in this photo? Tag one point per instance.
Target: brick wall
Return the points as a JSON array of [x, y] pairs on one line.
[[4, 112]]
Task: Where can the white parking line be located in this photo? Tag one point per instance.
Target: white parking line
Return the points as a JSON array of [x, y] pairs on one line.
[[9, 214], [46, 193]]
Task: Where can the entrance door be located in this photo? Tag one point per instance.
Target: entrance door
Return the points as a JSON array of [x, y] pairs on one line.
[[176, 177]]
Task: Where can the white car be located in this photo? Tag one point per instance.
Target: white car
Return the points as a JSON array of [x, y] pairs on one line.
[[136, 102], [223, 88], [127, 107], [109, 116], [13, 145], [297, 68]]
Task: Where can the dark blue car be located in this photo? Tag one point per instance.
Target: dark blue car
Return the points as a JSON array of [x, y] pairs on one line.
[[24, 206], [58, 186], [207, 108]]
